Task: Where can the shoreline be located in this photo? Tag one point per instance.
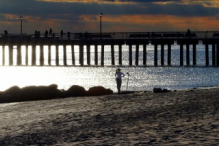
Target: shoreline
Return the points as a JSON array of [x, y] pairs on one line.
[[141, 118]]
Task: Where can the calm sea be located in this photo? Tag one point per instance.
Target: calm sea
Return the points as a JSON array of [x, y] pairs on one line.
[[141, 78]]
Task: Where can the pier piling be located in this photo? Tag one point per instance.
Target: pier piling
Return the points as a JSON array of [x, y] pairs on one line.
[[81, 54], [144, 54], [155, 55], [112, 55], [218, 54], [162, 54], [41, 55], [96, 54], [169, 55], [181, 55], [187, 54], [34, 55], [73, 54], [88, 54], [57, 54], [130, 55], [207, 54], [102, 54], [213, 55], [27, 52], [65, 55], [137, 55], [194, 54], [49, 55], [11, 55]]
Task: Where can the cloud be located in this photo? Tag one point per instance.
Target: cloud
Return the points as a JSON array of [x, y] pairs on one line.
[[152, 22], [10, 17], [118, 15], [208, 3], [91, 1], [63, 8], [205, 3]]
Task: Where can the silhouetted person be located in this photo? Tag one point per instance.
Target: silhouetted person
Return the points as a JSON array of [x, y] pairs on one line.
[[69, 35], [6, 33], [61, 34], [51, 32], [53, 35], [46, 34], [86, 35], [36, 34], [188, 33]]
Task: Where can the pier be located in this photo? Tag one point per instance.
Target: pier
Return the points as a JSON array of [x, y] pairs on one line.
[[30, 50]]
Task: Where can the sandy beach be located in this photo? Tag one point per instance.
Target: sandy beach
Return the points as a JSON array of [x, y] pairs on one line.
[[143, 118]]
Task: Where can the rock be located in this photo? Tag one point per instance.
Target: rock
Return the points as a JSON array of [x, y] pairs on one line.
[[75, 90], [10, 95], [13, 91], [39, 92], [98, 90], [166, 90], [159, 90], [15, 94], [30, 93]]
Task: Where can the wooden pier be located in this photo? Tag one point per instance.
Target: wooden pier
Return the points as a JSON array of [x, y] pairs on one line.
[[161, 39]]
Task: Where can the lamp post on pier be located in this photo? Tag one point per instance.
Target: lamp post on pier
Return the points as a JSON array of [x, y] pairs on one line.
[[101, 25], [21, 24]]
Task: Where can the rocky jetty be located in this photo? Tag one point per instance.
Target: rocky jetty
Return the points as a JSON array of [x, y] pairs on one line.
[[30, 93]]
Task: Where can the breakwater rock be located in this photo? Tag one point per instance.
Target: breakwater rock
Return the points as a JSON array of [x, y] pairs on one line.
[[159, 90], [30, 93]]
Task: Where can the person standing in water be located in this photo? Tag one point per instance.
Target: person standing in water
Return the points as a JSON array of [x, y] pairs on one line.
[[119, 76]]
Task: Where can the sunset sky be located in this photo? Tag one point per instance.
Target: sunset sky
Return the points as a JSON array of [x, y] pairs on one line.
[[118, 15]]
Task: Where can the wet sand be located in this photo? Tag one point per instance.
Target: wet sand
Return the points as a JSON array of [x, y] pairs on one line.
[[175, 118]]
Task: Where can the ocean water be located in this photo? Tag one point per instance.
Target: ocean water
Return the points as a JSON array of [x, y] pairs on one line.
[[141, 78]]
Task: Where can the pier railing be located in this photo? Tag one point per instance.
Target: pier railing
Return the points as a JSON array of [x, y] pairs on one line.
[[119, 35]]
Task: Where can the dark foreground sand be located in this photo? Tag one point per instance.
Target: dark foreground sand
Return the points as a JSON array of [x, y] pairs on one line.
[[176, 118]]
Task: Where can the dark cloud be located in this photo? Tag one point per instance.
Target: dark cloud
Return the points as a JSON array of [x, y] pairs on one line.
[[70, 12], [45, 9], [136, 1]]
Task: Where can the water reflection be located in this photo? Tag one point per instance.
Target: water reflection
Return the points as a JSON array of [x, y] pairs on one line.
[[140, 78]]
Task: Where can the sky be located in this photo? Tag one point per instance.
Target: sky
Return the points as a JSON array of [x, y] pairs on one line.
[[118, 15]]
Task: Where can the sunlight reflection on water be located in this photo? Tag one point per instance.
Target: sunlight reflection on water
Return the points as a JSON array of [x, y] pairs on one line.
[[142, 78]]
